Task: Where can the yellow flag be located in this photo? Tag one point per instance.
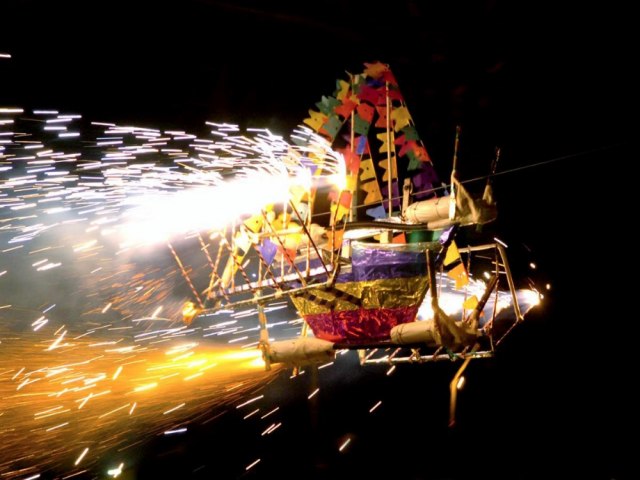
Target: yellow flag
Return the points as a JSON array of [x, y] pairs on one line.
[[372, 191], [452, 254], [470, 303], [459, 274], [254, 223], [316, 121], [335, 240], [384, 164], [352, 182], [401, 117], [385, 146], [338, 212], [343, 89], [375, 70], [367, 170]]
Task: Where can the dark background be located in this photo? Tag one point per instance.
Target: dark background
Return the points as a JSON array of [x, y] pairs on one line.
[[546, 81]]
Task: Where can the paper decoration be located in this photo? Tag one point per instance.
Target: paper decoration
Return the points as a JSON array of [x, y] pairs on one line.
[[342, 90], [459, 275], [366, 112], [383, 138], [345, 199], [371, 95], [361, 126], [254, 223], [352, 182], [388, 76], [242, 241], [289, 255], [345, 109], [316, 120], [362, 146], [372, 191], [369, 182], [423, 183], [410, 133], [452, 254], [417, 156], [331, 127], [351, 159], [327, 105], [377, 212], [396, 195], [381, 122], [366, 94], [367, 170], [268, 250], [395, 93], [399, 238], [375, 70], [335, 238], [401, 118], [384, 165], [338, 212], [470, 303]]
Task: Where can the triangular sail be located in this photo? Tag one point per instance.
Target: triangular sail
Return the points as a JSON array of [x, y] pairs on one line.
[[367, 120]]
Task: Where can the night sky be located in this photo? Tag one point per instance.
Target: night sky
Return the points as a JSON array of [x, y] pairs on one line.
[[545, 82]]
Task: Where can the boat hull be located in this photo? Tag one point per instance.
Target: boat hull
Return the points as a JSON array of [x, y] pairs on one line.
[[384, 288]]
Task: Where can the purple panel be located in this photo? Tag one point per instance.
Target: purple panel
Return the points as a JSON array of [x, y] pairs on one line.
[[382, 261]]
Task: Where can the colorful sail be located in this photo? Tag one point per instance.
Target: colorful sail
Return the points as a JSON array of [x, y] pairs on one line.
[[367, 120]]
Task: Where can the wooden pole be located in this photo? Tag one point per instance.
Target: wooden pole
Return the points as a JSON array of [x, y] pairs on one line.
[[389, 171]]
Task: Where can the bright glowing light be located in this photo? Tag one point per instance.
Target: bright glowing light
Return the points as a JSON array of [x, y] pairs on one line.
[[460, 383], [174, 409], [501, 242], [56, 343], [271, 428], [189, 311], [147, 386], [371, 410], [115, 472], [79, 459], [344, 444], [178, 430], [250, 401], [156, 218], [530, 297]]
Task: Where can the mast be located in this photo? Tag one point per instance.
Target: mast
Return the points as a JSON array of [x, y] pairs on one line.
[[389, 171], [352, 147], [452, 201]]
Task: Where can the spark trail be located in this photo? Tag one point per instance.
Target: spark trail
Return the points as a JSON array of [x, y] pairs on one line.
[[92, 359]]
